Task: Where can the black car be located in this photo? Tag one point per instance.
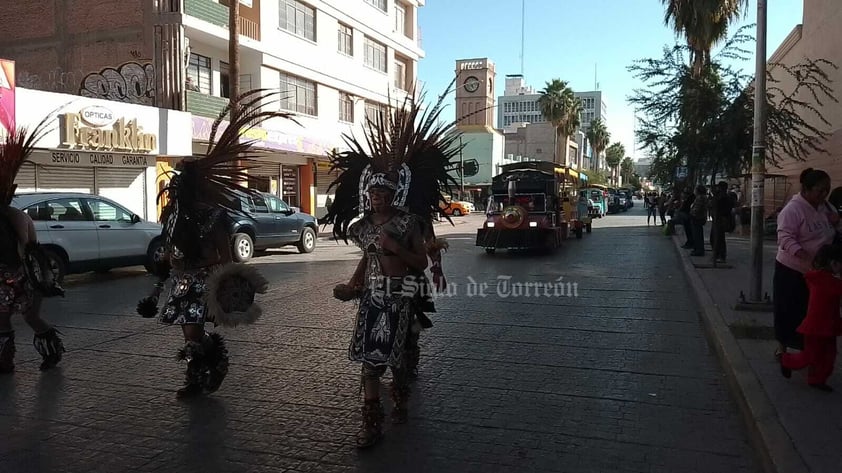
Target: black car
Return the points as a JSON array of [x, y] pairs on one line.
[[269, 222]]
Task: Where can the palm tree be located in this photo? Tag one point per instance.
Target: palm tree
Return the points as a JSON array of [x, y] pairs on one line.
[[614, 155], [599, 138], [626, 169], [562, 109], [703, 23]]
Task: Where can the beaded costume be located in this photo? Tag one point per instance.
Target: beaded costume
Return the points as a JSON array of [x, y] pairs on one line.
[[25, 271], [200, 283], [409, 157]]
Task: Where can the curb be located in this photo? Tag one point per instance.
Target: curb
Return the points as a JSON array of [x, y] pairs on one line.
[[772, 442]]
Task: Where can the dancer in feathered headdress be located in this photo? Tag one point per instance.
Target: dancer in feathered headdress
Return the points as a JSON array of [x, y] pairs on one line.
[[204, 284], [395, 182], [25, 272]]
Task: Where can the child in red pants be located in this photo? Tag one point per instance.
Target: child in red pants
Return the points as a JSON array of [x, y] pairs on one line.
[[822, 324]]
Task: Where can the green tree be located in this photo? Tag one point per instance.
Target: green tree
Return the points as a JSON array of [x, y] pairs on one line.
[[703, 23], [599, 138], [595, 176], [626, 169], [614, 155], [562, 109]]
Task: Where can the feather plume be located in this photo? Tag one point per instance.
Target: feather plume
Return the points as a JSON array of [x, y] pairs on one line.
[[402, 136], [214, 182], [15, 148]]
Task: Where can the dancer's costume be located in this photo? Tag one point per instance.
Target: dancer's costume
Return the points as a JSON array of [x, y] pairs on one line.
[[204, 194], [25, 270], [411, 154]]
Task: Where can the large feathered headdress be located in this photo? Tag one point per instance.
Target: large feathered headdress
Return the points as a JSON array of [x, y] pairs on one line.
[[15, 148], [406, 150], [215, 181]]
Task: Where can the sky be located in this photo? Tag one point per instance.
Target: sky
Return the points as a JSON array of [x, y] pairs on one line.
[[569, 40]]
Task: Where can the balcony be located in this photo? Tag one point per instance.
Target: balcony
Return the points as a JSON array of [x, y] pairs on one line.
[[217, 14], [204, 105]]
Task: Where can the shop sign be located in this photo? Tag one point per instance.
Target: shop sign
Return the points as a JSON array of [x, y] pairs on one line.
[[97, 128], [76, 159], [290, 180]]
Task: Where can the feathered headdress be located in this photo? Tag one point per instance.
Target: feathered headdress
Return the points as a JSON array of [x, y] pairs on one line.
[[15, 148], [406, 150], [213, 183]]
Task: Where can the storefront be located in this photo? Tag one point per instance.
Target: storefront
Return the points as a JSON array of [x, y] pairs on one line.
[[286, 167], [99, 147]]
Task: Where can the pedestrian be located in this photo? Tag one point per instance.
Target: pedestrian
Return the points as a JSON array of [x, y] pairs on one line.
[[722, 208], [822, 323], [804, 226], [662, 208], [25, 274], [392, 189], [683, 216], [203, 284], [652, 208], [698, 219]]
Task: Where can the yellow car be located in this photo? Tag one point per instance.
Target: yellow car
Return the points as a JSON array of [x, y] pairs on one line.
[[454, 208]]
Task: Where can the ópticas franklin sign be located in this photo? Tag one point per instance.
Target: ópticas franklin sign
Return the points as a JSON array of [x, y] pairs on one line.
[[88, 131]]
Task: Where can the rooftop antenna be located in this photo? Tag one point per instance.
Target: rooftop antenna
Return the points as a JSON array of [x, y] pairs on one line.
[[595, 77], [522, 35]]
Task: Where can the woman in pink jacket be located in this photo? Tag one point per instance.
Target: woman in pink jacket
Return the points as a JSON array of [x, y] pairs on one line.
[[805, 224]]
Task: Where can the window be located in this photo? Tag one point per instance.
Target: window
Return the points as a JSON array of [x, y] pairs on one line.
[[277, 205], [379, 4], [400, 74], [374, 111], [346, 108], [298, 95], [400, 19], [298, 18], [375, 54], [62, 210], [259, 205], [199, 74], [225, 81], [346, 40], [105, 212]]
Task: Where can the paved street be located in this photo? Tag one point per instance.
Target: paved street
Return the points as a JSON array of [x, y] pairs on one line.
[[617, 377]]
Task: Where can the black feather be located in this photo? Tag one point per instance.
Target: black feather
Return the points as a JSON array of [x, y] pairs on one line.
[[402, 135]]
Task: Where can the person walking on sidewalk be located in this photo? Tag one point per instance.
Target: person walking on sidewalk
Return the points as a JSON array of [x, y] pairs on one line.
[[652, 208], [25, 274], [698, 218], [804, 226], [722, 212], [822, 323], [662, 207], [683, 217]]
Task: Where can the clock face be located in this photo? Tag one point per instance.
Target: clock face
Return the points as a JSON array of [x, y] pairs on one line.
[[472, 84]]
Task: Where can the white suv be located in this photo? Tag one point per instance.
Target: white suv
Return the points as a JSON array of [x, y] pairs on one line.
[[84, 232]]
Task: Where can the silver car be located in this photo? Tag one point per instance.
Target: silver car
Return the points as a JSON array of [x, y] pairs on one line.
[[84, 232]]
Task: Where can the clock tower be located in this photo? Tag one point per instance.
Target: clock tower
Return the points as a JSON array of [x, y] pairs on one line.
[[475, 92]]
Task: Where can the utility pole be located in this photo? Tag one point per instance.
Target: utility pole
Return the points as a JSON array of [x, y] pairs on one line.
[[758, 171], [234, 57], [461, 171]]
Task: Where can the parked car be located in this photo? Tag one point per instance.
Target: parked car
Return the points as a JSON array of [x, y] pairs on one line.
[[84, 232], [455, 208], [269, 222]]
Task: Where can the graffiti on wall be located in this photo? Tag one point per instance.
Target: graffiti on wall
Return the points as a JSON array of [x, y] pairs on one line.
[[130, 83], [55, 80]]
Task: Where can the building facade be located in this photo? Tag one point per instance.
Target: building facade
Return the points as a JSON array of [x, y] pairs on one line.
[[482, 152], [334, 61], [99, 147], [817, 37], [519, 107]]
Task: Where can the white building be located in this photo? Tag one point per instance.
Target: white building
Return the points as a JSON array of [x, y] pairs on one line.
[[519, 105], [335, 60]]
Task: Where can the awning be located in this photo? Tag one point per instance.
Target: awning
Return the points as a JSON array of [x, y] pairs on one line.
[[571, 173]]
